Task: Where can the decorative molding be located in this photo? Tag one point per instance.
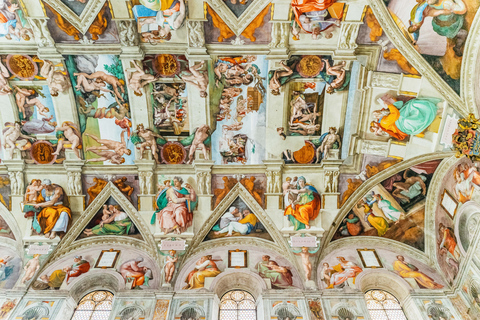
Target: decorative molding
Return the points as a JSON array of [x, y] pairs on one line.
[[470, 66], [385, 80], [127, 31], [237, 25], [348, 35], [41, 32], [196, 36], [82, 22], [280, 33], [414, 57]]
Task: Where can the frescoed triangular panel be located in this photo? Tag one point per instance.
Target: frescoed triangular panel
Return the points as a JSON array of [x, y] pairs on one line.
[[76, 6], [238, 221], [110, 219], [82, 21], [390, 60]]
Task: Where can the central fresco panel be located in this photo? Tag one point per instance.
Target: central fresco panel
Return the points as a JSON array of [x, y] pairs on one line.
[[272, 158]]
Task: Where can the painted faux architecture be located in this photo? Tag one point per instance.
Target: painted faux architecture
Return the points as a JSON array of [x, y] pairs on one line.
[[239, 159]]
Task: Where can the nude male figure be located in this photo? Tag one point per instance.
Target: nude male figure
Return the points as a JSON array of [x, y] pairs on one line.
[[4, 75], [339, 72], [201, 135], [150, 138], [72, 136], [31, 267], [107, 78], [57, 81], [170, 266], [11, 135], [304, 129], [108, 155], [307, 265], [40, 107], [233, 127], [298, 105], [86, 85], [198, 78], [327, 144], [139, 79], [21, 98], [274, 84], [120, 148]]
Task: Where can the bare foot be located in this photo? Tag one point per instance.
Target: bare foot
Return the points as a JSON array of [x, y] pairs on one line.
[[228, 235], [47, 235], [53, 235], [307, 226]]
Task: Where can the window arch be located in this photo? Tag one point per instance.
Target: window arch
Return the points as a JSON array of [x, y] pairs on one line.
[[238, 305], [96, 305], [383, 306]]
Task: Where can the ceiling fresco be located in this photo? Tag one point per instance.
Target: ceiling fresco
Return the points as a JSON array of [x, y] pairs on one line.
[[168, 152]]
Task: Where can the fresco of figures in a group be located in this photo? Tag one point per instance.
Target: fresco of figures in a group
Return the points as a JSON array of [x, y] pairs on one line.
[[103, 108], [393, 209], [101, 31], [440, 39], [238, 101], [238, 221], [341, 269]]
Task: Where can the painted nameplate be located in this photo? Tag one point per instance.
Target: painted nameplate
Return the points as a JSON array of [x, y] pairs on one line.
[[172, 245], [38, 249], [310, 242]]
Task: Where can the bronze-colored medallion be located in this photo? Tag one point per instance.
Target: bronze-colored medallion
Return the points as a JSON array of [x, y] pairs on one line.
[[22, 66], [166, 65], [173, 153], [310, 66], [42, 152], [306, 154]]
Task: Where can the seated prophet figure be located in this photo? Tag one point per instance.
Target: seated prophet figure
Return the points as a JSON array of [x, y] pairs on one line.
[[175, 207], [51, 215], [306, 207], [400, 119]]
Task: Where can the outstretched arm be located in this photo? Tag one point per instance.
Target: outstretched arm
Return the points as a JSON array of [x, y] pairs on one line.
[[23, 91], [122, 138], [138, 67]]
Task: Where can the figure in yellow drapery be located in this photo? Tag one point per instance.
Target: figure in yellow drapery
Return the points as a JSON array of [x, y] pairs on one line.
[[226, 32], [157, 5], [377, 222], [205, 267], [407, 270]]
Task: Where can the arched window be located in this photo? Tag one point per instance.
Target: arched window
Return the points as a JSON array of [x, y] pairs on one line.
[[96, 305], [383, 306], [238, 305]]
